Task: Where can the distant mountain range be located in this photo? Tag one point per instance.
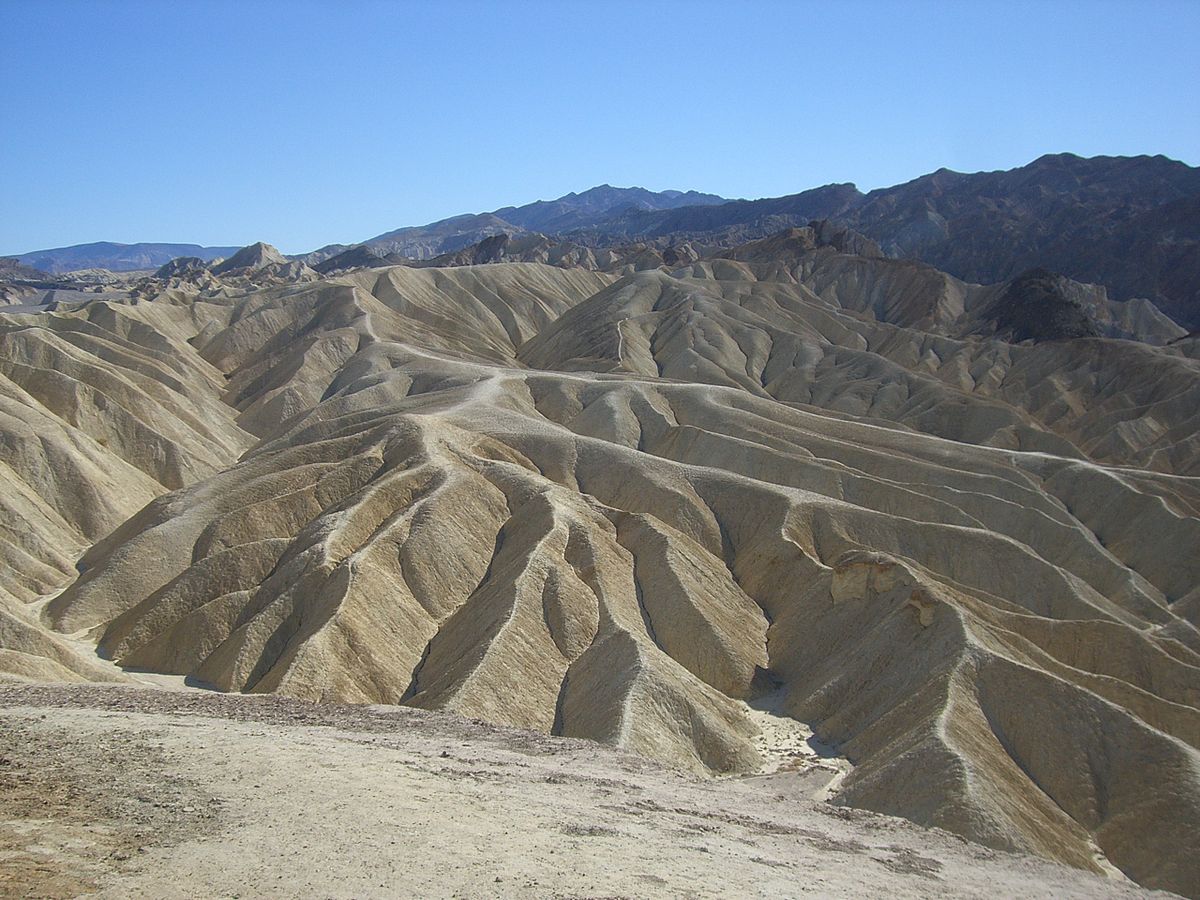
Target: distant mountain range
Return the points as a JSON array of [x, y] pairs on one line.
[[595, 209], [1129, 223], [116, 257]]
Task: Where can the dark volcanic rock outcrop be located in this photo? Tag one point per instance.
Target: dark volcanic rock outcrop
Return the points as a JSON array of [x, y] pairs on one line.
[[1035, 306]]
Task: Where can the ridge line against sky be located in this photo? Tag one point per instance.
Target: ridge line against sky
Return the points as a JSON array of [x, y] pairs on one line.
[[304, 124]]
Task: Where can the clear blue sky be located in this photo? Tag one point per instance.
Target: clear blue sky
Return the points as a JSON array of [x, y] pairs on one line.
[[309, 123]]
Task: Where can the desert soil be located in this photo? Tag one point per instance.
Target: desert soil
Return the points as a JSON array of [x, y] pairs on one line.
[[139, 792]]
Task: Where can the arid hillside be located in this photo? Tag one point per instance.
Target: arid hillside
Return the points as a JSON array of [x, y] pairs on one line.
[[953, 528]]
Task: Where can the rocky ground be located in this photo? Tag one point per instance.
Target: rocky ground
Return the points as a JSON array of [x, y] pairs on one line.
[[137, 792]]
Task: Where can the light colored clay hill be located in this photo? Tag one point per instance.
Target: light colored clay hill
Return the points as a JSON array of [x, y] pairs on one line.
[[255, 256], [614, 507], [101, 410], [717, 323]]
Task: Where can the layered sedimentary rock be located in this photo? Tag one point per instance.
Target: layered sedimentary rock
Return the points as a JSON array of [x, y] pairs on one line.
[[612, 506], [100, 411]]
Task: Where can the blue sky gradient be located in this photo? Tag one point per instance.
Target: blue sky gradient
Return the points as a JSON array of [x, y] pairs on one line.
[[307, 123]]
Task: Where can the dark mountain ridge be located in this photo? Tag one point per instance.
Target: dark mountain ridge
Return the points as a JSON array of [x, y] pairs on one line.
[[600, 203], [589, 209], [750, 218], [1129, 223]]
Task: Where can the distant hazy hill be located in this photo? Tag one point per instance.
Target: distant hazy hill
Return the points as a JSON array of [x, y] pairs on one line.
[[13, 268], [600, 204], [595, 207], [117, 257], [444, 236]]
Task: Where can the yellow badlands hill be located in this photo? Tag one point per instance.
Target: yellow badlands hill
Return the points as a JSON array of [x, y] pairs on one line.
[[617, 505]]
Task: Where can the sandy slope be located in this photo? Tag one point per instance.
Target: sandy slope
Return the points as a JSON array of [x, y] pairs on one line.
[[142, 793]]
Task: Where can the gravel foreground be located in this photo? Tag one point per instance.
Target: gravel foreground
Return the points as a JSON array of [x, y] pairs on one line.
[[137, 792]]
